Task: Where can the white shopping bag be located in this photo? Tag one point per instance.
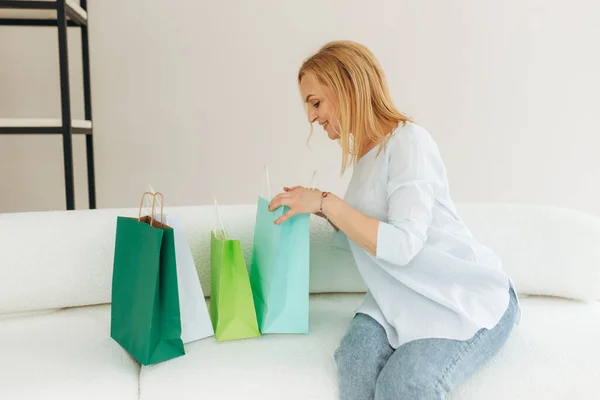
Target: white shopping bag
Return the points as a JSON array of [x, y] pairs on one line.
[[195, 321]]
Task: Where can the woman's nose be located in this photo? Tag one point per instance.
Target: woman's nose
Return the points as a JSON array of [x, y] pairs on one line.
[[312, 116]]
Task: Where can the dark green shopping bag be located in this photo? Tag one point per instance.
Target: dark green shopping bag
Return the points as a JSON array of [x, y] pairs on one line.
[[145, 315]]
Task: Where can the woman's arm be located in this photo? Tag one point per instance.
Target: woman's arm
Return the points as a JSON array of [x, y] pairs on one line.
[[357, 226], [396, 241], [415, 172], [320, 214]]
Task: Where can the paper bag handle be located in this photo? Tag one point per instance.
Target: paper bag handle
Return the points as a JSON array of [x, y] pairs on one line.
[[159, 202], [267, 182], [153, 195], [217, 219], [313, 180]]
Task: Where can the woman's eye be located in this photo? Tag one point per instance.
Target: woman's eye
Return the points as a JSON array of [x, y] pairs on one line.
[[316, 105]]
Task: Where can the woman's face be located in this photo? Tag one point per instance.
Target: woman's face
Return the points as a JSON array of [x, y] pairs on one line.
[[320, 105]]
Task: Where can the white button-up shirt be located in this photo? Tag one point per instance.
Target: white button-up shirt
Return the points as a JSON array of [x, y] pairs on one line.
[[430, 277]]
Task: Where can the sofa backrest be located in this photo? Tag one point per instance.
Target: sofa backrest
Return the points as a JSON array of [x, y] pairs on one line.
[[64, 258], [546, 250]]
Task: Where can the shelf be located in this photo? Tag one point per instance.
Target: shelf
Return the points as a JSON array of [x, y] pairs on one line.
[[42, 126], [42, 13], [59, 14]]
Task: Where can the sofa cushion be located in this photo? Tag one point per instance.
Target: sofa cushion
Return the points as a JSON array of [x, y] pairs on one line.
[[552, 354], [56, 259], [545, 250], [66, 354], [275, 366], [41, 249], [547, 357]]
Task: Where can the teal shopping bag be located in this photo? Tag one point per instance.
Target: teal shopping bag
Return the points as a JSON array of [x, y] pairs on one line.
[[279, 271]]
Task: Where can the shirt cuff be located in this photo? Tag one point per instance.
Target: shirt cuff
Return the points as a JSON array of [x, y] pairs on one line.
[[395, 245]]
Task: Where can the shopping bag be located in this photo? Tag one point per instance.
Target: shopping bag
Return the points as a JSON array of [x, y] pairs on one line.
[[279, 272], [195, 321], [145, 314], [231, 304]]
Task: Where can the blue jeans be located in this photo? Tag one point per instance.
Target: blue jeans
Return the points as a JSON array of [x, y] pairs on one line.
[[369, 368]]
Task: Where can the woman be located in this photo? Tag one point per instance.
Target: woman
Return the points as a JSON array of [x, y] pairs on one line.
[[438, 304]]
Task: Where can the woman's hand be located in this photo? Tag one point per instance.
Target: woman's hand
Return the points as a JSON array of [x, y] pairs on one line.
[[360, 228], [300, 201]]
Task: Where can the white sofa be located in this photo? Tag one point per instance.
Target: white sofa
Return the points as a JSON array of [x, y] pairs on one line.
[[55, 278]]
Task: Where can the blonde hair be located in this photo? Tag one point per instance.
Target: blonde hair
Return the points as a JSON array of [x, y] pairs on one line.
[[353, 74]]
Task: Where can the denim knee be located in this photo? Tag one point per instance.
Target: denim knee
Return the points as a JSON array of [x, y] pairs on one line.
[[344, 355], [360, 356], [363, 350], [406, 386]]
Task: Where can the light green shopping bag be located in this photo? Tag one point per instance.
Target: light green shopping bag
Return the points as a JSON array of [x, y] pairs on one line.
[[145, 315], [231, 305], [279, 273]]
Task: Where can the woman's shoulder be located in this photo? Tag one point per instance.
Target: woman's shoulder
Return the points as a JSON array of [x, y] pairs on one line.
[[409, 135], [412, 151]]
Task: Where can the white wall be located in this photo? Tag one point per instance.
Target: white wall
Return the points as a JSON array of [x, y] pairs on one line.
[[195, 97]]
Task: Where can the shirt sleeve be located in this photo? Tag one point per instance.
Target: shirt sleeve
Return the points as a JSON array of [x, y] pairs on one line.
[[415, 174]]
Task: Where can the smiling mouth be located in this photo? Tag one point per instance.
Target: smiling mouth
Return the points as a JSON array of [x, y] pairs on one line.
[[324, 124]]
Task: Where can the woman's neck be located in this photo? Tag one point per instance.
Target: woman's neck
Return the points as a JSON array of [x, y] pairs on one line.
[[385, 129]]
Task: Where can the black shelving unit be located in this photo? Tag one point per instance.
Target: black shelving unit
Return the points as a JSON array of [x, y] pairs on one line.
[[59, 14]]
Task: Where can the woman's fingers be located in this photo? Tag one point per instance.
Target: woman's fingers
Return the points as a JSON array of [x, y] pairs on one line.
[[285, 217], [279, 200]]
